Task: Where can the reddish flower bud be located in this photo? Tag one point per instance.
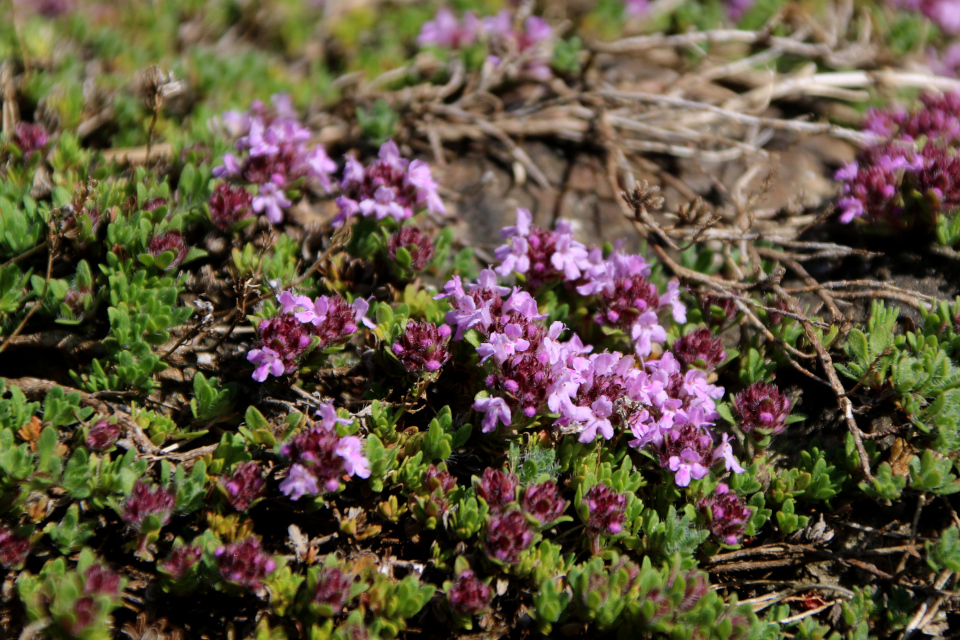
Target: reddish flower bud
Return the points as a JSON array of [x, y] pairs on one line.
[[699, 346], [333, 588], [286, 337], [154, 203], [145, 501], [508, 535], [29, 137], [542, 501], [229, 205], [102, 435], [244, 563], [416, 242], [244, 486], [469, 595], [439, 479], [13, 549], [761, 407], [727, 514], [181, 559], [497, 488], [101, 580], [169, 241], [727, 306], [423, 346], [85, 610], [606, 510]]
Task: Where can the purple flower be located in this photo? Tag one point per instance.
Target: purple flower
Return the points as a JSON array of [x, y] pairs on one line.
[[181, 559], [543, 502], [637, 7], [245, 486], [299, 482], [946, 63], [101, 580], [699, 348], [102, 435], [320, 458], [607, 510], [423, 346], [446, 32], [392, 186], [496, 410], [169, 241], [277, 157], [29, 137], [13, 549], [268, 361], [688, 453], [737, 8], [416, 242], [727, 514], [145, 501], [497, 488], [468, 595], [354, 462], [244, 563], [333, 589], [543, 256], [761, 407], [329, 418], [272, 201], [508, 535], [229, 205]]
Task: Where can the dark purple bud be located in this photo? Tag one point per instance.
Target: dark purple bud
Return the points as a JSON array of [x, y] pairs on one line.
[[497, 488], [339, 324], [727, 306], [287, 337], [244, 486], [229, 205], [333, 588], [423, 346], [85, 610], [181, 559], [439, 479], [543, 502], [727, 514], [469, 595], [101, 580], [29, 137], [701, 347], [622, 303], [145, 501], [102, 435], [244, 563], [169, 241], [508, 535], [761, 407], [606, 510], [696, 587], [154, 203], [416, 242], [13, 549]]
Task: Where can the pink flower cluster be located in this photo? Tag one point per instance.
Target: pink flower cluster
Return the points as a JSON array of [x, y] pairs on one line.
[[666, 403], [321, 457], [542, 256], [245, 486], [533, 40], [145, 501], [879, 184], [323, 321], [422, 347], [945, 13], [13, 549], [244, 563], [274, 155], [727, 514], [390, 187]]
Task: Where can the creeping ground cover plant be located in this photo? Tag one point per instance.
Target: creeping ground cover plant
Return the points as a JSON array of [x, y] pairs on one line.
[[479, 319]]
